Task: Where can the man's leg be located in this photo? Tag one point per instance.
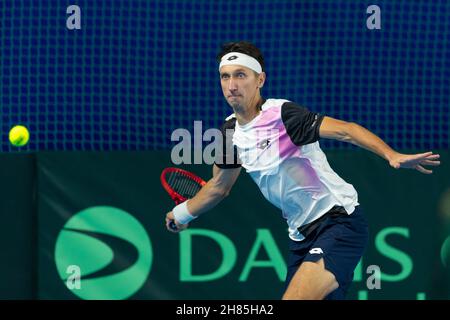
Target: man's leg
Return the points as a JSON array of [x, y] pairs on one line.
[[311, 282]]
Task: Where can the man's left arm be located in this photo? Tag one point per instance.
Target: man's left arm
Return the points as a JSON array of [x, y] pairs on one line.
[[331, 128]]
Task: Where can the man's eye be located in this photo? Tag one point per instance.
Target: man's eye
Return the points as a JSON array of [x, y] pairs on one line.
[[241, 75], [225, 76]]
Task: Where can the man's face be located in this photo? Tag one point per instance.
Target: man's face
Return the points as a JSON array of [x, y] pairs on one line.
[[240, 85]]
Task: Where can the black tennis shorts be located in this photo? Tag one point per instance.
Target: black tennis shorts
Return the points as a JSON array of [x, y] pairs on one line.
[[340, 239]]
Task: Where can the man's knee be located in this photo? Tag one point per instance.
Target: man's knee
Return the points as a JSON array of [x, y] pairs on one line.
[[302, 294], [311, 282]]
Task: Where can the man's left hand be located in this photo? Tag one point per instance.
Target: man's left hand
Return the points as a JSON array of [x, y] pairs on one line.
[[415, 161]]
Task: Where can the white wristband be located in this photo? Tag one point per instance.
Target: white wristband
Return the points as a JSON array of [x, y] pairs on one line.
[[181, 213]]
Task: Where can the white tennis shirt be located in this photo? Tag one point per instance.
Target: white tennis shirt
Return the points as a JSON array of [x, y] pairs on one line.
[[280, 150]]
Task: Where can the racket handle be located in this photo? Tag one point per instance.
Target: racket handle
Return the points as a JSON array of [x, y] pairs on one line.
[[172, 225]]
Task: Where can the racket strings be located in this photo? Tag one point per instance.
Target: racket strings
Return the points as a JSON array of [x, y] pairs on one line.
[[189, 187], [183, 185]]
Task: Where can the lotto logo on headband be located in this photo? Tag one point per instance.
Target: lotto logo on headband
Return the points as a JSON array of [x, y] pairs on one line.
[[242, 59]]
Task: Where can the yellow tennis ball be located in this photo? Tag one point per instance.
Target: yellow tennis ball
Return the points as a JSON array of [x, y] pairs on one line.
[[19, 136]]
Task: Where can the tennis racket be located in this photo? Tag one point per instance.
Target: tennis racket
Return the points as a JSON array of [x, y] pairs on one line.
[[181, 185]]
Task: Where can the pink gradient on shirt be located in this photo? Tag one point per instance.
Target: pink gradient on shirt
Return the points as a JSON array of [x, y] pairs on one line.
[[271, 120]]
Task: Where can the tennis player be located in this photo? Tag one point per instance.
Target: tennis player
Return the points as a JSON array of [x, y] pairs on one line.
[[277, 142]]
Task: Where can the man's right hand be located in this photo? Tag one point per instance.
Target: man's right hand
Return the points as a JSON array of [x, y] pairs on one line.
[[170, 218]]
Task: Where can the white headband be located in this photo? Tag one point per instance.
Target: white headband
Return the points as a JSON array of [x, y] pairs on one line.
[[241, 59]]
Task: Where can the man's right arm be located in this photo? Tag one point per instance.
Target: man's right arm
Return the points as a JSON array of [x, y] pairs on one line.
[[214, 191]]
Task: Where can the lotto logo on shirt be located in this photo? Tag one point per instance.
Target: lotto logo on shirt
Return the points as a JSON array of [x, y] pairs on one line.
[[259, 151], [264, 144]]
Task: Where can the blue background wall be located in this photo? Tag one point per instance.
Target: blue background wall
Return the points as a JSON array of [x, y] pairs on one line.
[[124, 80]]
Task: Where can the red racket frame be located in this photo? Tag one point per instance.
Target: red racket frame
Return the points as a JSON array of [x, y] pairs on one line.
[[176, 197]]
